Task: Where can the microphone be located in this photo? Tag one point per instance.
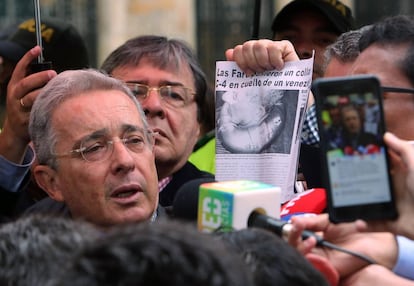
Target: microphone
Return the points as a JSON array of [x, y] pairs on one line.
[[283, 228], [280, 227], [239, 204], [185, 203], [233, 205], [236, 205], [228, 204]]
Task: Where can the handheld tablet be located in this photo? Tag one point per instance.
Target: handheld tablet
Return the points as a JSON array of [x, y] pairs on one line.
[[355, 159]]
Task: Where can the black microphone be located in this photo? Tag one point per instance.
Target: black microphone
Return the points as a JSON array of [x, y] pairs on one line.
[[283, 228], [280, 227], [185, 203]]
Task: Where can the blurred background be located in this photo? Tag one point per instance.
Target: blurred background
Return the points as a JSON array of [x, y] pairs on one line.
[[209, 26]]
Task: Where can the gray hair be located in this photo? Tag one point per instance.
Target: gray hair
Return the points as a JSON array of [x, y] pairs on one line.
[[169, 54], [64, 86], [346, 46]]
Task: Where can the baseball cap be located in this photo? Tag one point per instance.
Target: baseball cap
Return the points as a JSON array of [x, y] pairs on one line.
[[62, 44], [335, 11]]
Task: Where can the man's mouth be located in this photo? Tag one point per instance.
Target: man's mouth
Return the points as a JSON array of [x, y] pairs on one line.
[[158, 132], [127, 194]]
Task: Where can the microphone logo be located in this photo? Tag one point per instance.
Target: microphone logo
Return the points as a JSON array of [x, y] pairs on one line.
[[227, 205], [211, 213], [216, 209]]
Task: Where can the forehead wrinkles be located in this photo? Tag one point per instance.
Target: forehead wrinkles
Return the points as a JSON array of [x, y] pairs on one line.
[[90, 114]]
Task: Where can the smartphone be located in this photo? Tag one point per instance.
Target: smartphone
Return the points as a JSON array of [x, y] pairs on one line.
[[354, 157]]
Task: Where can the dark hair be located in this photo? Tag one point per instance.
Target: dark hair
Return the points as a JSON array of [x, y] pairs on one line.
[[164, 53], [161, 253], [34, 248], [272, 260], [396, 30]]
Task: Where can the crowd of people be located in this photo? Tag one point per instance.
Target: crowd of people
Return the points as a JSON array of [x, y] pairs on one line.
[[91, 159]]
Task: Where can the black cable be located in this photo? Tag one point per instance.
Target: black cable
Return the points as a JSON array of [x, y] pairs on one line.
[[367, 259], [283, 229], [321, 242]]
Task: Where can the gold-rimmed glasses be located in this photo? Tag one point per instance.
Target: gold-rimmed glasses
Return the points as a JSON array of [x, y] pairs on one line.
[[173, 95], [98, 147]]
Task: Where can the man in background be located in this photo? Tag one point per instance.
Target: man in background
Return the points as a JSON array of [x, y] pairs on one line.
[[311, 25], [62, 45], [166, 77]]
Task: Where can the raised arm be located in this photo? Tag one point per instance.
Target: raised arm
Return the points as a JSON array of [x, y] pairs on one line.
[[21, 93]]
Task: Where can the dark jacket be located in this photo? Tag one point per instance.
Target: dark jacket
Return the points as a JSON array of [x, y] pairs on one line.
[[187, 173]]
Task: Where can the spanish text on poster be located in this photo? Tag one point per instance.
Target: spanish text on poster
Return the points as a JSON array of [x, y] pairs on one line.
[[259, 120]]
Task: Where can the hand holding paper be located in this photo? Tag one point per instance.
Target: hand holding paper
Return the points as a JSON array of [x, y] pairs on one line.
[[261, 55]]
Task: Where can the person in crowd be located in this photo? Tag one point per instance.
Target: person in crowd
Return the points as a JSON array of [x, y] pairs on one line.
[[16, 155], [62, 45], [334, 126], [341, 54], [338, 59], [5, 33], [65, 48], [273, 261], [164, 253], [99, 161], [354, 139], [167, 80], [33, 249], [311, 25], [387, 43]]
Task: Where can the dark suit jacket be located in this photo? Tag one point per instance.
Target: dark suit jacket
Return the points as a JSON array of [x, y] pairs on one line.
[[187, 173], [12, 204]]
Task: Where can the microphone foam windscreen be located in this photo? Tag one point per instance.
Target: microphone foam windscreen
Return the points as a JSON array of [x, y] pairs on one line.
[[185, 204]]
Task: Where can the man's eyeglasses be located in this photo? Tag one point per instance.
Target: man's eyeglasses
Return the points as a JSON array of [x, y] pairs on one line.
[[173, 95], [98, 148], [397, 89]]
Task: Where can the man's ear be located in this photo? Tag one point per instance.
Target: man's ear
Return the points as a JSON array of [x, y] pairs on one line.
[[48, 180], [325, 267]]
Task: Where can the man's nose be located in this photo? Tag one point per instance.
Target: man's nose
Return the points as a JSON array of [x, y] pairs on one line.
[[304, 48], [153, 105], [122, 159]]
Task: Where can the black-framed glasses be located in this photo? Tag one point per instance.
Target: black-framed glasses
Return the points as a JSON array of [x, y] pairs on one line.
[[97, 147], [173, 95], [397, 89]]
